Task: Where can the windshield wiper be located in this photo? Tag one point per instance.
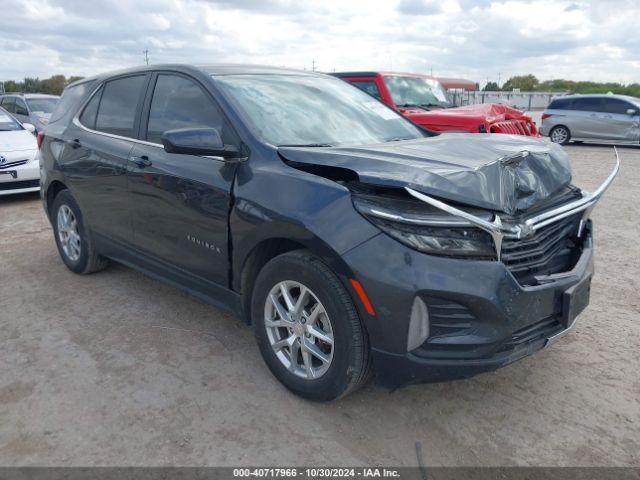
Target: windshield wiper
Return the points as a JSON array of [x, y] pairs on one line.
[[306, 145], [398, 139]]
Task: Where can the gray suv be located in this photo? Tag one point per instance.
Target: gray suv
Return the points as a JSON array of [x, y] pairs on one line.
[[593, 118], [33, 108]]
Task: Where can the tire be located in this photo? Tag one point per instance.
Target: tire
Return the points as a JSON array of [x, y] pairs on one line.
[[348, 354], [560, 134], [78, 252]]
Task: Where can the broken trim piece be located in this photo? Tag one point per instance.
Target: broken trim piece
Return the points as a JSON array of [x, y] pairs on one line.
[[498, 231]]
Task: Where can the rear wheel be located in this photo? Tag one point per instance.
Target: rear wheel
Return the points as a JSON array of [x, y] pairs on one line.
[[308, 328], [73, 239], [560, 134]]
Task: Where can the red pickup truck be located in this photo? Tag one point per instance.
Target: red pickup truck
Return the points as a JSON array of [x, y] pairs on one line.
[[422, 99]]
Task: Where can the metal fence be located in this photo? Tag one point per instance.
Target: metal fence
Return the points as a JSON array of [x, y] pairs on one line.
[[519, 100]]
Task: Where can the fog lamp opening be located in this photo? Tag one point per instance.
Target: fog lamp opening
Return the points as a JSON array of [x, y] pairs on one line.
[[418, 324]]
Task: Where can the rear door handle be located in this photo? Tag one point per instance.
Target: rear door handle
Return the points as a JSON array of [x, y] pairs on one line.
[[75, 143], [141, 162]]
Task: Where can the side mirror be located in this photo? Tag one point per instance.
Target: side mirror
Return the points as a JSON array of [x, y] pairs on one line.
[[198, 141], [29, 128], [632, 111]]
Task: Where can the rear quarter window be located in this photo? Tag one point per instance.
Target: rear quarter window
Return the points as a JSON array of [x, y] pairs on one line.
[[561, 104], [70, 99]]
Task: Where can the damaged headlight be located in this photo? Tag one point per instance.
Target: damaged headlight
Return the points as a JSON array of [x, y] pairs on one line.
[[425, 230]]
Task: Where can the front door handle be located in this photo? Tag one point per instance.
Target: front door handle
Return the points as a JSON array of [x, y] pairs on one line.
[[141, 162]]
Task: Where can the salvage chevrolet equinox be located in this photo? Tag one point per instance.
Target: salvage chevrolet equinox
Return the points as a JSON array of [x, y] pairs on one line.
[[353, 241]]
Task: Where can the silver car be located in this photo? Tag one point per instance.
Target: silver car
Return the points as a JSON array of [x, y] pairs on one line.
[[33, 108], [593, 118]]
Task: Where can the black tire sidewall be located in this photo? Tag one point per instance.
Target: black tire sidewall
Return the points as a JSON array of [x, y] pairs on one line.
[[337, 379], [65, 198]]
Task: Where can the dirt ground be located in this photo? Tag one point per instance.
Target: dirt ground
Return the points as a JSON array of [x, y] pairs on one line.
[[118, 369]]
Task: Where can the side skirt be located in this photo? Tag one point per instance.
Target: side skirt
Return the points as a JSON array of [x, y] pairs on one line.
[[203, 289]]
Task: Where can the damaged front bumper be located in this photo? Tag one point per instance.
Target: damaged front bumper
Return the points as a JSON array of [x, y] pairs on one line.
[[480, 317], [481, 314]]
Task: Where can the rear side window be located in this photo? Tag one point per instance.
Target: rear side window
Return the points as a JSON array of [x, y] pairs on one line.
[[614, 105], [70, 99], [561, 104], [179, 102], [88, 117], [593, 104], [367, 86], [117, 110]]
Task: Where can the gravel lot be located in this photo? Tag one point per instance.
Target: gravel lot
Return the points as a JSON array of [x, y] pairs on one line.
[[118, 369]]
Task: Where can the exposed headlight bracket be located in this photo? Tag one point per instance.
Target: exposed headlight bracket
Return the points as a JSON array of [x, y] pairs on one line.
[[498, 231]]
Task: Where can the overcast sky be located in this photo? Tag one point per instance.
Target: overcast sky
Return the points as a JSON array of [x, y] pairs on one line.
[[480, 39]]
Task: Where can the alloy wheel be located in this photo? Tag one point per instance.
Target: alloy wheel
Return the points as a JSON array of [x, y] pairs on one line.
[[299, 329], [68, 233], [559, 135]]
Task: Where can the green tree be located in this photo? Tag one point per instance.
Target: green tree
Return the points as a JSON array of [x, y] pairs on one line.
[[526, 83], [491, 87]]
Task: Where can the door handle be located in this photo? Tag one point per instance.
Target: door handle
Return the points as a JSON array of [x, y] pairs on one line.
[[75, 143], [141, 162]]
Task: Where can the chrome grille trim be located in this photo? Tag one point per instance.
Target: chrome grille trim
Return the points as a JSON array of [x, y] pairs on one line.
[[498, 231]]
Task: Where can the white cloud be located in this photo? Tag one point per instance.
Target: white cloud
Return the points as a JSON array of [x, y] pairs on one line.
[[476, 39]]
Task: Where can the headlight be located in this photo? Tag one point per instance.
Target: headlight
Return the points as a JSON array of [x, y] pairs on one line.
[[425, 229]]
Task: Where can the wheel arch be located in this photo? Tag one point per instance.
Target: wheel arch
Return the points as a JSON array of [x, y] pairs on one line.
[[53, 189], [266, 249]]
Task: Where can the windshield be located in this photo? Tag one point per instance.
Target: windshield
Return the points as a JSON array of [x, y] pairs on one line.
[[7, 122], [42, 105], [305, 110], [416, 92]]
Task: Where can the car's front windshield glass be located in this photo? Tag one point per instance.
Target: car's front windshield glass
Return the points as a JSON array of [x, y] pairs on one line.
[[313, 111], [43, 105], [7, 122], [416, 91]]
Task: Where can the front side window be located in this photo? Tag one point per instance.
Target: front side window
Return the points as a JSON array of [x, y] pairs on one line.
[[21, 107], [181, 103], [367, 86], [416, 91], [313, 110], [117, 111], [616, 106]]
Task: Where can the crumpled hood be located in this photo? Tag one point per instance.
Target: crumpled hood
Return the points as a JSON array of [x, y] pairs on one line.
[[487, 113], [508, 173]]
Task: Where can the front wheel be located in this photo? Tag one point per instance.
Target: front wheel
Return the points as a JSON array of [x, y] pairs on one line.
[[308, 329], [560, 134]]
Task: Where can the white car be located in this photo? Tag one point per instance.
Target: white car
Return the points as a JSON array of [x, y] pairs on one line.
[[19, 161]]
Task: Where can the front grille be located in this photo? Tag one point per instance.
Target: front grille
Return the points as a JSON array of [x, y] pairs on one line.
[[552, 249], [513, 127], [17, 163], [19, 184]]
